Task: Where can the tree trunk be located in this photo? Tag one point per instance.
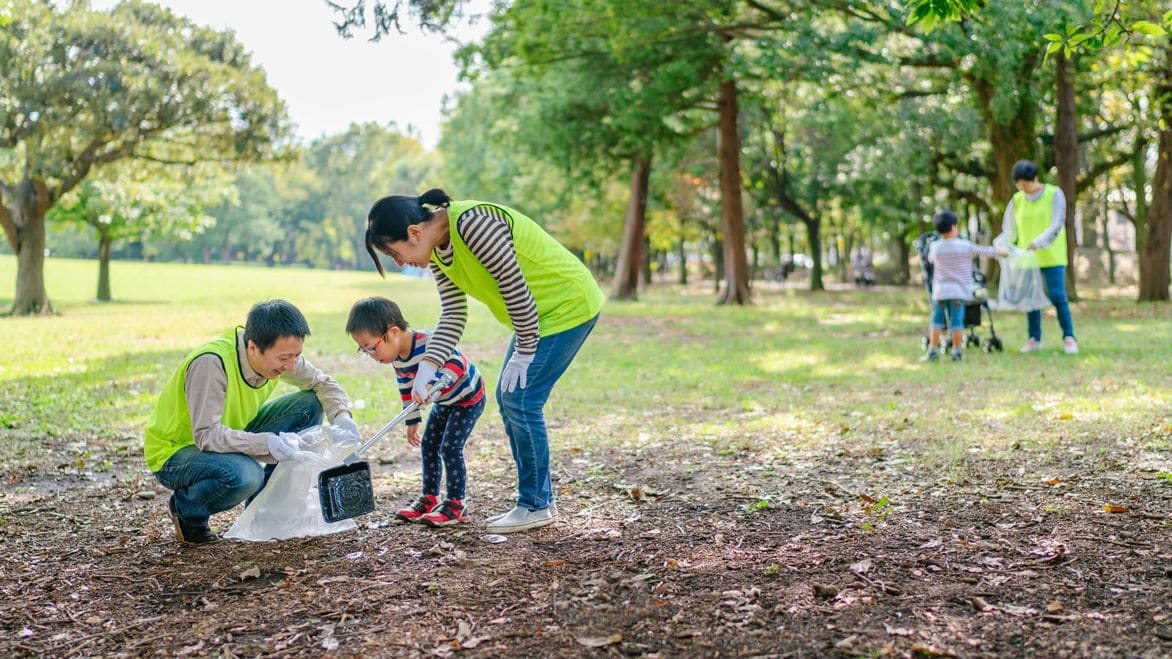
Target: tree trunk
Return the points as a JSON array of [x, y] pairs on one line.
[[626, 276], [103, 266], [717, 264], [1153, 258], [682, 249], [903, 254], [736, 267], [1066, 158], [1106, 238], [814, 243], [29, 202], [647, 258]]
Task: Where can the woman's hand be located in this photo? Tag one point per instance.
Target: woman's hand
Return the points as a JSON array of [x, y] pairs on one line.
[[423, 377], [516, 372]]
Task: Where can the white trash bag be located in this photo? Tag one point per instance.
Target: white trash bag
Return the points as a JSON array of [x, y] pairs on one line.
[[288, 507], [1021, 287]]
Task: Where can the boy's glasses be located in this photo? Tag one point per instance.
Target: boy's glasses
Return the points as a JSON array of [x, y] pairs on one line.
[[371, 350]]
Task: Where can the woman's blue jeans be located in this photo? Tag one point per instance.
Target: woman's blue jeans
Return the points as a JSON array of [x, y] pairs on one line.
[[1055, 278], [207, 483], [522, 411]]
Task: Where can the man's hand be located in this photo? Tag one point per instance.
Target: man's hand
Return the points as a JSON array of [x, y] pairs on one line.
[[516, 372], [350, 431], [284, 445], [413, 435], [423, 377]]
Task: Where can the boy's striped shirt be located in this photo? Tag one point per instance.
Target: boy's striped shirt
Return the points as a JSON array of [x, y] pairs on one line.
[[467, 390], [952, 272]]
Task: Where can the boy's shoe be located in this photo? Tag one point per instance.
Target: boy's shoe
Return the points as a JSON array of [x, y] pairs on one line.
[[932, 356], [420, 507], [448, 513], [1032, 345], [957, 355], [553, 510], [192, 534], [1070, 346], [521, 519]]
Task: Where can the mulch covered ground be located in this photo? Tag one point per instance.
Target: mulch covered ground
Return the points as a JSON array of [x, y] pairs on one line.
[[670, 551]]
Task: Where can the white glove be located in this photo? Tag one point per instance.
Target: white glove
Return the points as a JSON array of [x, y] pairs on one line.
[[423, 377], [516, 373], [350, 432], [284, 445]]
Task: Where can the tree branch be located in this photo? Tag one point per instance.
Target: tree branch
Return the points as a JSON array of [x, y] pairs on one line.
[[1088, 177]]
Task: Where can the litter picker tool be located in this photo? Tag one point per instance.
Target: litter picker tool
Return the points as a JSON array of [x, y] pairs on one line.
[[346, 491]]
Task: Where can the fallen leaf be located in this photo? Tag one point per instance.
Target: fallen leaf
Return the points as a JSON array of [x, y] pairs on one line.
[[554, 563], [598, 641], [1054, 607], [1112, 508], [251, 573], [473, 642], [862, 567]]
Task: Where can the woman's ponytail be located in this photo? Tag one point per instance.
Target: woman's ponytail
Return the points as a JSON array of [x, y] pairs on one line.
[[435, 197]]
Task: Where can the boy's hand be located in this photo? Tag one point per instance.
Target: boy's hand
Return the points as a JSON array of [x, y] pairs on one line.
[[413, 435], [1001, 251]]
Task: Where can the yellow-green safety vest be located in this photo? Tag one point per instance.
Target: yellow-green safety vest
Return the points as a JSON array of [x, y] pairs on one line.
[[1032, 218]]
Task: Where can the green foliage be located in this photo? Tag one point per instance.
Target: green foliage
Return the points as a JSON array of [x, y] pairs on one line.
[[928, 14]]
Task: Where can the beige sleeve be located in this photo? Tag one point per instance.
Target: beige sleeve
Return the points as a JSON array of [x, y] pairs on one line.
[[329, 393], [206, 387]]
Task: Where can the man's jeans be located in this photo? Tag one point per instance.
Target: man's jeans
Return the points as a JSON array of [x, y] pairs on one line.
[[523, 416], [1055, 278], [207, 483]]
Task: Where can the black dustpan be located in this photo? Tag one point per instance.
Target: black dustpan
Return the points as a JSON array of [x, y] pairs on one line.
[[345, 491]]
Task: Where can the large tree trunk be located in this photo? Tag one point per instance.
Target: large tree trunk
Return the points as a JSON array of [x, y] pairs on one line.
[[736, 267], [104, 267], [814, 242], [682, 250], [25, 227], [1066, 157], [1153, 258], [626, 276]]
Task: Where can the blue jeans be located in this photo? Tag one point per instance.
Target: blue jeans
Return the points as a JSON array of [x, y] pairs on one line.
[[955, 310], [206, 483], [524, 418], [1055, 278], [448, 427]]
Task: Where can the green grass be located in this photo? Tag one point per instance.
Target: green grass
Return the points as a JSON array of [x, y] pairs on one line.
[[667, 374]]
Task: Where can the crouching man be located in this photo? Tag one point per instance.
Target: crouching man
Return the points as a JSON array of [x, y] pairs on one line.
[[214, 419]]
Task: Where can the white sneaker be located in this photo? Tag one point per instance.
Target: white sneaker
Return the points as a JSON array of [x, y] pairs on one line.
[[553, 510], [1032, 346], [1070, 346], [521, 519]]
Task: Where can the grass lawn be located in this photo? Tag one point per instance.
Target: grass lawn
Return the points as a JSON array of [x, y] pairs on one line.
[[801, 429]]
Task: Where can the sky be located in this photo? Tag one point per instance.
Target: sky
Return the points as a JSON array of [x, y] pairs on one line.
[[329, 82]]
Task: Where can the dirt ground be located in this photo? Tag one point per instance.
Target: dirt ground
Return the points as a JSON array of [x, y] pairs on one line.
[[669, 550]]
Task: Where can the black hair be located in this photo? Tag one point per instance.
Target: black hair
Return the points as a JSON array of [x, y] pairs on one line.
[[375, 315], [1024, 170], [389, 218], [272, 320], [944, 220]]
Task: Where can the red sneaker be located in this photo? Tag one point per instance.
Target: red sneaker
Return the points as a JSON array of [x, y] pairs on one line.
[[451, 512], [420, 507]]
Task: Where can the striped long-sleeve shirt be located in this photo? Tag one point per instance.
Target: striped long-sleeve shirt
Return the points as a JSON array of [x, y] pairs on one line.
[[952, 271], [486, 232], [467, 390]]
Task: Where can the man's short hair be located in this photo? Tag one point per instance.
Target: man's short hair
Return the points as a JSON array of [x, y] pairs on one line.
[[1024, 170], [271, 320]]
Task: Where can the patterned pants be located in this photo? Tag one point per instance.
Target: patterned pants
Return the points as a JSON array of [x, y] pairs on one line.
[[448, 427]]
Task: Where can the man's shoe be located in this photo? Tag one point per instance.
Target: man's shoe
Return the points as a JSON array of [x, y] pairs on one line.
[[448, 513], [957, 355], [1032, 346], [553, 510], [192, 534], [1070, 346], [932, 356], [418, 508], [521, 519]]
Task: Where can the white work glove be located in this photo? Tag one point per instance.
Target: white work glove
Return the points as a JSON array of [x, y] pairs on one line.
[[516, 373], [423, 378], [284, 445], [350, 432]]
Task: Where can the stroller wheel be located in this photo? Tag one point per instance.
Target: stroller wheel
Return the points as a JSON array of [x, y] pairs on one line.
[[923, 343], [988, 347], [996, 344]]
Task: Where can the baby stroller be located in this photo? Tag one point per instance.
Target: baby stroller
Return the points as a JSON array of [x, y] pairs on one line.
[[972, 309]]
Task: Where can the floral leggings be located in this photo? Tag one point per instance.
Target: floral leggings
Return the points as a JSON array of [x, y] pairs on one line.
[[448, 428]]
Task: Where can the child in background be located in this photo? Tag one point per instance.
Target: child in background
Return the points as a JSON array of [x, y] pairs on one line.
[[379, 329], [952, 279]]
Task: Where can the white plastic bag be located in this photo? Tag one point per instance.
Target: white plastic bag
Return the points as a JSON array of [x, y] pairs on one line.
[[1021, 287], [288, 507]]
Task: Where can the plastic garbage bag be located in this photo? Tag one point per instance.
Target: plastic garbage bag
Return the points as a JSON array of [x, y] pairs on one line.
[[288, 507], [1021, 287]]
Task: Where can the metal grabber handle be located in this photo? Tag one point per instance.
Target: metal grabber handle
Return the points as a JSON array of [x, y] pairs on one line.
[[444, 381]]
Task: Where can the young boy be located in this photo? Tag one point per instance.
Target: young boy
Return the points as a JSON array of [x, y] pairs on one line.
[[379, 329], [952, 279]]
